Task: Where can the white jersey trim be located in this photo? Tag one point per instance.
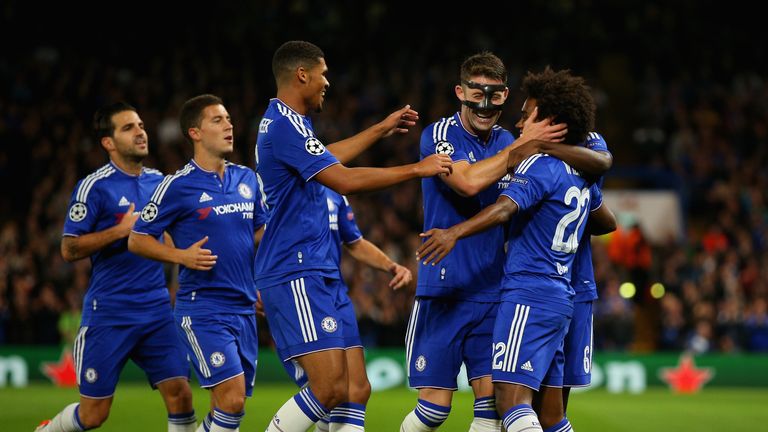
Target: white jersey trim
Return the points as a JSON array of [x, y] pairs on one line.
[[523, 168], [295, 120], [90, 180], [157, 196]]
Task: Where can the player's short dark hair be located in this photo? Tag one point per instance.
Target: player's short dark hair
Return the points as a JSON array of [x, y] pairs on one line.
[[566, 98], [294, 54], [483, 64], [191, 113], [103, 126]]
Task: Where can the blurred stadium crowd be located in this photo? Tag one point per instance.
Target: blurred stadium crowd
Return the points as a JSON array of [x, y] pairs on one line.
[[680, 109]]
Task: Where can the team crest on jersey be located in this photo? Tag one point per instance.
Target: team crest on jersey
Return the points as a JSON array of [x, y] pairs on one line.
[[421, 363], [217, 359], [245, 191], [149, 213], [314, 146], [77, 212], [91, 376], [444, 147], [329, 325]]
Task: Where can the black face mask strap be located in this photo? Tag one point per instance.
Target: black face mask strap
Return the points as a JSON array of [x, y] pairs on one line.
[[488, 91]]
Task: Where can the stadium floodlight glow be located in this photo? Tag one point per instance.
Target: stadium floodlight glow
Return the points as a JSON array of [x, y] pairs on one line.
[[627, 290], [657, 290]]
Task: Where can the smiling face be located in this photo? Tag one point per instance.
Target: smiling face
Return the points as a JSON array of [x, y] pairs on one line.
[[480, 122], [129, 139], [316, 85], [216, 132]]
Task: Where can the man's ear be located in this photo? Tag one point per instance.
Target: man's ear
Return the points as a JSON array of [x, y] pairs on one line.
[[108, 143], [194, 133], [302, 75], [459, 92]]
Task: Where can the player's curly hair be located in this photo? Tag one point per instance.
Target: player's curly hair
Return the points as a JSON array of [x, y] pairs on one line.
[[292, 55], [565, 97]]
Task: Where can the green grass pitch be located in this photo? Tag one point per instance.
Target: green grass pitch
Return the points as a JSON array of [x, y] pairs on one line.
[[136, 408]]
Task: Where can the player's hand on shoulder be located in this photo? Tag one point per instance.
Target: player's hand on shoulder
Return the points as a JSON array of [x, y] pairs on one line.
[[196, 257]]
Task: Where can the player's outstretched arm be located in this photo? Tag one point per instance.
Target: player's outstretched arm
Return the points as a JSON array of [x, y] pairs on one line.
[[601, 221], [75, 248], [470, 179], [441, 241], [397, 122], [355, 180], [193, 257], [370, 254], [590, 162]]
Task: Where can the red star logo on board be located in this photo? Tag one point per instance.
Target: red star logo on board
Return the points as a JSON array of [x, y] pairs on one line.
[[61, 373], [686, 378]]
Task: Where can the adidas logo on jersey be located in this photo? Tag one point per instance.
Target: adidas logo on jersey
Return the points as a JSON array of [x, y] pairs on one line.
[[123, 202], [527, 366], [205, 197]]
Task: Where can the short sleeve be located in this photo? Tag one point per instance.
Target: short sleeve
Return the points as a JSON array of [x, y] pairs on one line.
[[596, 142], [159, 213], [83, 210], [348, 229], [442, 138], [596, 198], [295, 146], [531, 182]]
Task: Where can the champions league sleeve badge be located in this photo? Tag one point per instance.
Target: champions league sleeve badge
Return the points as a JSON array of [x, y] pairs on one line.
[[314, 146], [444, 148], [149, 213], [77, 212]]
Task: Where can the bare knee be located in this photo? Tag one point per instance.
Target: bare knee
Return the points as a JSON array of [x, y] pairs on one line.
[[177, 396], [360, 391], [92, 418], [231, 403], [331, 393]]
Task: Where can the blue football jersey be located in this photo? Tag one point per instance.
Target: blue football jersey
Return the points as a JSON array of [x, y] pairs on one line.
[[474, 268], [583, 280], [194, 203], [554, 203], [297, 237], [124, 288], [341, 221]]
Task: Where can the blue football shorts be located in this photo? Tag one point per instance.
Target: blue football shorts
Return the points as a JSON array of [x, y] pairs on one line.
[[310, 314], [528, 345], [221, 346], [101, 351], [578, 347], [442, 334]]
